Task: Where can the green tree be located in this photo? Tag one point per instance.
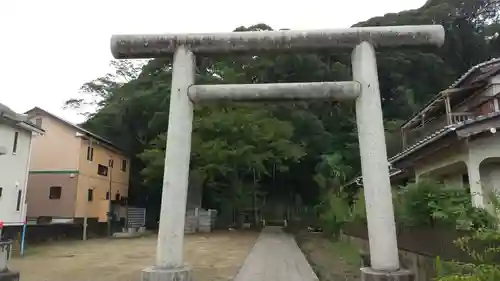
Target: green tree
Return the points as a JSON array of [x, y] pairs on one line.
[[285, 145]]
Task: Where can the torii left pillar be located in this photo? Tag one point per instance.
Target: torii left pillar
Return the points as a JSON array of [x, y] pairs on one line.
[[169, 264]]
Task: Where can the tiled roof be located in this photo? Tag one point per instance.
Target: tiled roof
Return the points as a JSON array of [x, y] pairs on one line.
[[463, 77], [455, 84]]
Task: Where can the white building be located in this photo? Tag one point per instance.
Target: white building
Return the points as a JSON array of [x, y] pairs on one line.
[[16, 133]]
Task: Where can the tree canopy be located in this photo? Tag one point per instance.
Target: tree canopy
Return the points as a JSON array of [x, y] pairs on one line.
[[282, 148]]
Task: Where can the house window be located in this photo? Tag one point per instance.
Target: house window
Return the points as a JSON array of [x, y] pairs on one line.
[[90, 195], [18, 204], [102, 170], [38, 122], [55, 192], [117, 196], [107, 195], [90, 153], [124, 165], [111, 163], [14, 146], [1, 190]]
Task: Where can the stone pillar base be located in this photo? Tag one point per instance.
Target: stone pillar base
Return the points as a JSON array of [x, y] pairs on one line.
[[369, 274], [166, 274], [9, 276]]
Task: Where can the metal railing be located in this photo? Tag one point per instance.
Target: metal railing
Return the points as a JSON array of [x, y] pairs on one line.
[[432, 126], [457, 117]]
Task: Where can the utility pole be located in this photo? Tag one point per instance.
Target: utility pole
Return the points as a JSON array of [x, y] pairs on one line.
[[110, 217], [85, 221], [85, 216]]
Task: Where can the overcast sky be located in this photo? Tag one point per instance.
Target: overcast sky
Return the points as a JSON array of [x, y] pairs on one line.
[[49, 48]]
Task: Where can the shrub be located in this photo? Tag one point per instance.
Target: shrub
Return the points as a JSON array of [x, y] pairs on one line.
[[334, 212], [428, 203], [358, 212], [483, 246]]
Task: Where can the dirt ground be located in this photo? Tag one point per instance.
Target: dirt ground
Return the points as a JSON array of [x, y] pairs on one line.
[[216, 256], [332, 261]]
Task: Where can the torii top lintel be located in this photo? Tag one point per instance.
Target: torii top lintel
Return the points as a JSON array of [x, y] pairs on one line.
[[162, 45]]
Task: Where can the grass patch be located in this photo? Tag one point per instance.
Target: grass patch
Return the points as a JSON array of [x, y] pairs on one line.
[[346, 251], [332, 260]]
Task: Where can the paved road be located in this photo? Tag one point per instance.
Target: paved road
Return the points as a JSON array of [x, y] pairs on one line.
[[276, 257]]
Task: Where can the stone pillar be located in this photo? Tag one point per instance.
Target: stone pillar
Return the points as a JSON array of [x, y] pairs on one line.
[[169, 252], [374, 164], [5, 252], [476, 188]]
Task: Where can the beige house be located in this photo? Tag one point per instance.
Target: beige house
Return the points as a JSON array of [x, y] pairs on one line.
[[73, 173], [454, 138]]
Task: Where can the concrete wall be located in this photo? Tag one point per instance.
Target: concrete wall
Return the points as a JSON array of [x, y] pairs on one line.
[[484, 148], [90, 179], [490, 176], [478, 158], [494, 88], [57, 149], [13, 174], [441, 159], [39, 202], [422, 266]]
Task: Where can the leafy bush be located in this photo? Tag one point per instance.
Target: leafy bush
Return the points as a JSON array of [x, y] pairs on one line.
[[428, 203], [358, 211], [334, 212], [425, 203], [483, 246]]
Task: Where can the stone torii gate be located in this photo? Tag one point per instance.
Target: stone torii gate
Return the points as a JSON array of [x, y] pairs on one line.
[[364, 89]]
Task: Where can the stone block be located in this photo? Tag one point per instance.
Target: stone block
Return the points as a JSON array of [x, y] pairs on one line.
[[369, 274], [166, 274], [9, 276]]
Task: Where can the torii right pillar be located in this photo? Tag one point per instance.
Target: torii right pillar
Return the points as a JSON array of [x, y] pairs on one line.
[[384, 255]]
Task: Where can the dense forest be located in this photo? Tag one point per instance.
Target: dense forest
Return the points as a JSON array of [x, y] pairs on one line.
[[281, 149]]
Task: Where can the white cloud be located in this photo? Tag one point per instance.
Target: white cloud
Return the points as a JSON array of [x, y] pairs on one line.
[[48, 49]]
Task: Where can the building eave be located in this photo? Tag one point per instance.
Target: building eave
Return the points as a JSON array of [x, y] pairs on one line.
[[359, 180], [31, 127], [88, 135], [14, 119]]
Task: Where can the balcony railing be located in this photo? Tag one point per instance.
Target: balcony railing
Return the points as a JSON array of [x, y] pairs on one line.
[[457, 117], [431, 126]]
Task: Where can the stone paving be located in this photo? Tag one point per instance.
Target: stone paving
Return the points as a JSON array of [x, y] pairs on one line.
[[276, 257]]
